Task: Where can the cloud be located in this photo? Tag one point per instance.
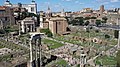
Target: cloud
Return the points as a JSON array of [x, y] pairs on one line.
[[104, 3], [77, 2], [57, 5], [107, 0], [81, 3], [114, 0], [66, 0], [47, 3]]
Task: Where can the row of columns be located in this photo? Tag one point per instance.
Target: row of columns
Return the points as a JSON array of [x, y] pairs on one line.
[[26, 28], [31, 29], [37, 56]]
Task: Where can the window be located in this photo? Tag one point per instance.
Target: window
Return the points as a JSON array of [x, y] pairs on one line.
[[32, 8], [6, 19], [2, 11]]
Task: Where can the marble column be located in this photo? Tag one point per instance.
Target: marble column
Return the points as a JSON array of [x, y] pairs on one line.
[[118, 21], [36, 54], [19, 29], [26, 28], [31, 53], [40, 51], [83, 60], [119, 40], [31, 29]]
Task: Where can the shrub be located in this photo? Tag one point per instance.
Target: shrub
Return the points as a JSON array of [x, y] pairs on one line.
[[47, 32]]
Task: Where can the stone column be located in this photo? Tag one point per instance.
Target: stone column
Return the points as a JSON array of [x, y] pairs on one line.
[[83, 60], [26, 28], [118, 34], [31, 29], [19, 29], [40, 51], [31, 57], [36, 54], [118, 40], [1, 24]]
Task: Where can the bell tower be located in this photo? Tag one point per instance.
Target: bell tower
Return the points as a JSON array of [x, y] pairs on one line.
[[48, 13]]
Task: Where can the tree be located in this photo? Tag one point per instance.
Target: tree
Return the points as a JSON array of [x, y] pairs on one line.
[[77, 21], [87, 18], [98, 22], [80, 22], [93, 17], [118, 58], [74, 22], [86, 23], [107, 36], [104, 19], [116, 34], [79, 18], [47, 32], [97, 31], [2, 31]]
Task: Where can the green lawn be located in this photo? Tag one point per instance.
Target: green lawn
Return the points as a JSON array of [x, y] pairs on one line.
[[1, 46], [67, 39], [113, 42], [6, 57], [58, 63], [105, 60], [52, 44], [11, 45], [62, 62]]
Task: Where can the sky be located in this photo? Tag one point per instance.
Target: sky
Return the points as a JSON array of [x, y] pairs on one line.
[[69, 5]]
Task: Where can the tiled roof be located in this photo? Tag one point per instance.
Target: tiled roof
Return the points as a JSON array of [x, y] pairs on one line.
[[3, 7]]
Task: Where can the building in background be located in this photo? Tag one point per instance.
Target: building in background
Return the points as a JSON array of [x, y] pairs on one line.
[[6, 16], [55, 22], [102, 9], [32, 8], [28, 25], [113, 19], [58, 25]]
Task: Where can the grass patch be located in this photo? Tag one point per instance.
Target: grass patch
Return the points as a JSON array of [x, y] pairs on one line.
[[62, 62], [52, 44], [106, 60]]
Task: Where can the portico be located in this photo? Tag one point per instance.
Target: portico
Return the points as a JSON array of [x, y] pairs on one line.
[[28, 25]]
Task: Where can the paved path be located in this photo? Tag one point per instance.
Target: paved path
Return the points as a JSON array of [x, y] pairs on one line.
[[91, 61]]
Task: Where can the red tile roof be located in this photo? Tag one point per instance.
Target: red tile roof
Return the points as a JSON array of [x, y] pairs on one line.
[[3, 7]]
